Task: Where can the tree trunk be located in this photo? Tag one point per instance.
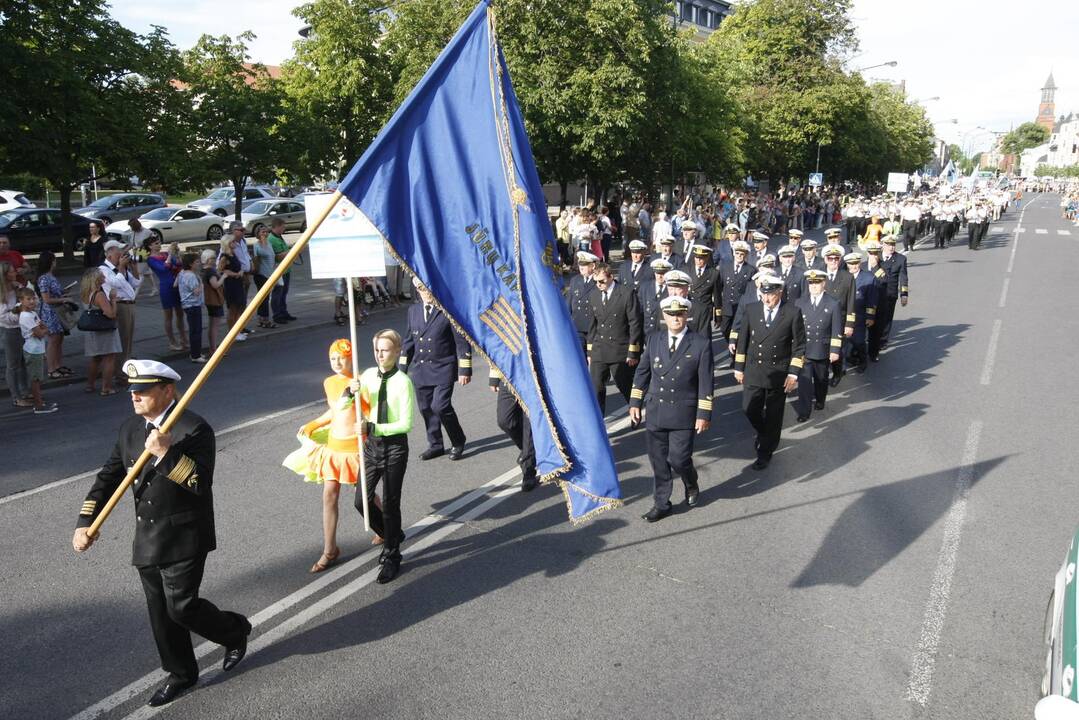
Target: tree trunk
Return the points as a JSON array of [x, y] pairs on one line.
[[65, 221], [563, 188]]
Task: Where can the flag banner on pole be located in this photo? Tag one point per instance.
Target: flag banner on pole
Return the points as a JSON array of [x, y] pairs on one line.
[[451, 185]]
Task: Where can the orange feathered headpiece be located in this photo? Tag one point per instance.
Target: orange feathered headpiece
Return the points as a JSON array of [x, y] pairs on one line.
[[341, 347]]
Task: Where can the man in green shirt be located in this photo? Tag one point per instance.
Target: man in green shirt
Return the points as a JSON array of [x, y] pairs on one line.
[[387, 398], [280, 247]]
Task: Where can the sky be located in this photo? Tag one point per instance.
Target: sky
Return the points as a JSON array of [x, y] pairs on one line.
[[986, 60]]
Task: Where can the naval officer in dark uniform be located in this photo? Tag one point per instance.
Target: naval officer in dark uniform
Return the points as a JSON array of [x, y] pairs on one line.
[[580, 287], [635, 270], [703, 291], [733, 279], [839, 284], [435, 356], [673, 384], [824, 340], [895, 268], [650, 294], [768, 359], [512, 420], [615, 335], [174, 525]]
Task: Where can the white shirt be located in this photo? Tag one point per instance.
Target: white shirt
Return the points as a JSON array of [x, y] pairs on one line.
[[660, 228], [244, 256], [156, 424], [677, 338], [126, 284], [29, 320]]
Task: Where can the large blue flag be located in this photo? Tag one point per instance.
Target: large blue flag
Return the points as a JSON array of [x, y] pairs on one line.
[[451, 185]]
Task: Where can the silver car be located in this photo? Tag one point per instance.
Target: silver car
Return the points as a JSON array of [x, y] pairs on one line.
[[222, 201], [262, 213], [121, 206]]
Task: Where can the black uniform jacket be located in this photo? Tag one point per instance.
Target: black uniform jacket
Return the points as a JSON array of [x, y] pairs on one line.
[[675, 389], [732, 284], [842, 289], [823, 325], [433, 353], [896, 269], [174, 502], [615, 332], [650, 310], [579, 309], [704, 290], [627, 278], [768, 355]]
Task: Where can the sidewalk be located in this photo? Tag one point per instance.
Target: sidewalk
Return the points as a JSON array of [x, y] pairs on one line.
[[311, 301]]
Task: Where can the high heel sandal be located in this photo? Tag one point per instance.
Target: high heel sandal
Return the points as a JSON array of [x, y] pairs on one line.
[[269, 325], [326, 561]]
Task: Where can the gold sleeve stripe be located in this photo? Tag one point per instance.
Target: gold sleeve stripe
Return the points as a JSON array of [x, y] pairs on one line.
[[704, 404], [634, 348], [871, 311], [464, 362], [734, 335], [496, 374], [797, 362], [589, 347], [850, 317], [636, 393], [879, 273], [88, 507], [903, 289], [740, 357], [837, 342], [184, 468]]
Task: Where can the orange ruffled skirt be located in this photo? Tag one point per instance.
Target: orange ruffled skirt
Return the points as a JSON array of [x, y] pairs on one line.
[[322, 457]]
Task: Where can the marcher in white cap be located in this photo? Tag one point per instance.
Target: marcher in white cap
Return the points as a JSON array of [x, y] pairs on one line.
[[734, 278], [635, 269], [666, 252], [577, 294], [808, 259], [174, 525], [689, 237]]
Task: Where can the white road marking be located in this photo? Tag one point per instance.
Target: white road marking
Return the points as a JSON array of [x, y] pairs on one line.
[[921, 675], [1064, 232], [1020, 229], [1004, 292], [991, 353], [90, 473], [1041, 231], [155, 677]]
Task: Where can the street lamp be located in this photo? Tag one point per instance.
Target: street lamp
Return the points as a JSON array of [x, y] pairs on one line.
[[890, 63]]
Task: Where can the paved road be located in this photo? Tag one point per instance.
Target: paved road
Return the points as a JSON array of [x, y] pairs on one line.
[[892, 562]]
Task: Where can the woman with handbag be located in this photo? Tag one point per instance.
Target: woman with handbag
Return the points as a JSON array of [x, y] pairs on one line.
[[52, 296], [102, 341]]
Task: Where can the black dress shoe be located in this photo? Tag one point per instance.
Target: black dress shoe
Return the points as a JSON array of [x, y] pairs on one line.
[[529, 483], [834, 382], [761, 463], [692, 496], [235, 653], [818, 405], [169, 691], [457, 452], [657, 514], [802, 418], [390, 569], [292, 317], [431, 453], [874, 358]]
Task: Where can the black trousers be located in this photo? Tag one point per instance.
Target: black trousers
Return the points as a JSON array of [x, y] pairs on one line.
[[386, 459], [837, 366], [600, 372], [437, 411], [855, 347], [176, 611], [910, 233], [973, 235], [983, 228], [670, 452], [513, 422], [812, 386], [878, 334], [764, 407]]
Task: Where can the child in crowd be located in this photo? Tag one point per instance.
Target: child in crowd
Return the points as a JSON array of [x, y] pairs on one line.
[[189, 283], [213, 294], [33, 349]]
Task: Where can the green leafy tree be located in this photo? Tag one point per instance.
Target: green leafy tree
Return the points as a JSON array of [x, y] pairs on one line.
[[338, 87], [84, 93], [237, 108], [1026, 136]]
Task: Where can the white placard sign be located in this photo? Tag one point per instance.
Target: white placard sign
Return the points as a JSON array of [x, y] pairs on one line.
[[346, 244], [897, 182]]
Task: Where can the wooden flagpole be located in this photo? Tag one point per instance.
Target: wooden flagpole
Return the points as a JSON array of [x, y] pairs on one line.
[[357, 404], [222, 349]]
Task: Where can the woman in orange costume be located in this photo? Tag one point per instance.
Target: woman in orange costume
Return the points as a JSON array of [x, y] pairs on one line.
[[329, 452]]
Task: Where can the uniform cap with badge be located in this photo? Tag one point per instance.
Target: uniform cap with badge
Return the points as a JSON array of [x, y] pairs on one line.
[[814, 275], [637, 246], [667, 240], [740, 246], [759, 237], [770, 284], [808, 244], [732, 228], [795, 233], [141, 374], [676, 305], [701, 251], [677, 278], [689, 225], [833, 251], [853, 257], [660, 266], [767, 261], [872, 246], [786, 251], [586, 258]]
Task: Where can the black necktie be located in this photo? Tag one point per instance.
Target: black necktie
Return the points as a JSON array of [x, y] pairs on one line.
[[149, 427], [674, 343], [427, 313], [604, 297], [831, 277], [383, 410], [768, 317]]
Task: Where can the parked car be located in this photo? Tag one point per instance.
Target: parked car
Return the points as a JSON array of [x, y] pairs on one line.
[[121, 206], [222, 202], [260, 214], [173, 224], [34, 229], [1059, 690], [11, 199]]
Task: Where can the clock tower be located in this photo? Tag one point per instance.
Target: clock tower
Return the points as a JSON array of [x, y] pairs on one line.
[[1047, 107]]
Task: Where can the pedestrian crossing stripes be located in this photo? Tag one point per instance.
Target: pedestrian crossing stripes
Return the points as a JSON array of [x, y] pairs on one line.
[[1064, 232], [1042, 231]]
